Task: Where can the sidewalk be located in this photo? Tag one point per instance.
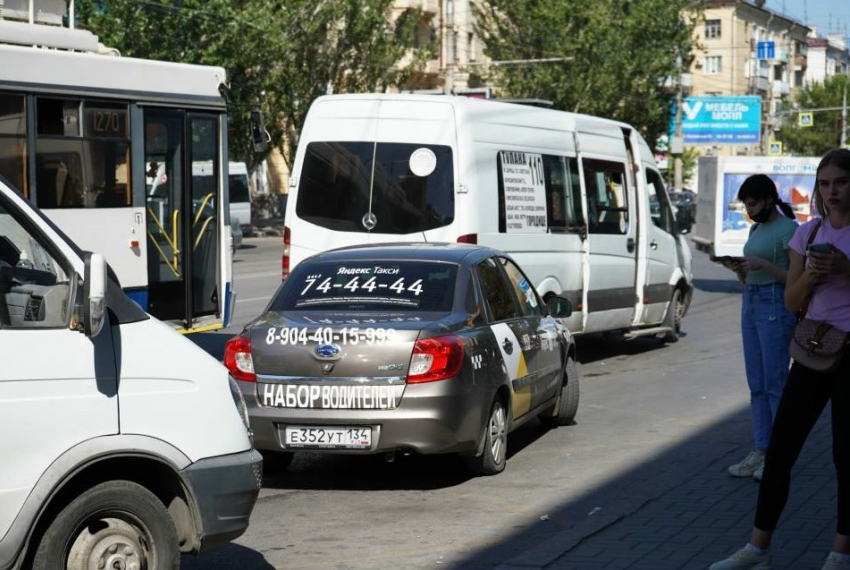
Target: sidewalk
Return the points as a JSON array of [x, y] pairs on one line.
[[701, 519]]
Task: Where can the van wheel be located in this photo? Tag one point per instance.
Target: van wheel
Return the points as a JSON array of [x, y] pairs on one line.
[[117, 524], [276, 462], [675, 313], [492, 460], [567, 405]]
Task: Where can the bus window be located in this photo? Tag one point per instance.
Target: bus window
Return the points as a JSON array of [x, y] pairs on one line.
[[81, 163], [13, 140]]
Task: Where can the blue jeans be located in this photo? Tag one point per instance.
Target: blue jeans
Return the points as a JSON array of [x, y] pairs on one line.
[[766, 328]]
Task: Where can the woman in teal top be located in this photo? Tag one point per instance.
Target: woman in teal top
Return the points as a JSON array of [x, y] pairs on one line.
[[766, 325]]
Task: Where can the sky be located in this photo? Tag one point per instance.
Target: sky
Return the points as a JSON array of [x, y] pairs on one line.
[[827, 15]]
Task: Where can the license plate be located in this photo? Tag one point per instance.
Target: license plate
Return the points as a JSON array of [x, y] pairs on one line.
[[328, 437]]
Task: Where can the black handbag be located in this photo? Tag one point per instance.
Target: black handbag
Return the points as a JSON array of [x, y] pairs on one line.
[[816, 344]]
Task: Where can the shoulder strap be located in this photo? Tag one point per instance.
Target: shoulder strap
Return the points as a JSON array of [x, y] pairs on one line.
[[805, 307]]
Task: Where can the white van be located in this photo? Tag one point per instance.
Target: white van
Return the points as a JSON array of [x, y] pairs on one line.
[[577, 200], [123, 444], [240, 195]]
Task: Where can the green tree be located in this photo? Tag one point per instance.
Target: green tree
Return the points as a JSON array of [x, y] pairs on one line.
[[825, 132], [620, 53], [279, 56]]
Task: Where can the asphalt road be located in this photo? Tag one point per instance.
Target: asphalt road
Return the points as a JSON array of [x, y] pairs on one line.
[[651, 415]]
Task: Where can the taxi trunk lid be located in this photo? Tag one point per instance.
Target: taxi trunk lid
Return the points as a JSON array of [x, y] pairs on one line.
[[356, 347]]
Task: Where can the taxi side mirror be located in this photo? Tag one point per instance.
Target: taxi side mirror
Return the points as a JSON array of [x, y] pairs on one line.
[[559, 307]]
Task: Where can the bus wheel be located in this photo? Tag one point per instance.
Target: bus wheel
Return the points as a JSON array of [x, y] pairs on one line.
[[117, 524]]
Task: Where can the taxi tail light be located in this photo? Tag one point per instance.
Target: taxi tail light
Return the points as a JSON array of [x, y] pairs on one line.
[[238, 359], [437, 358], [284, 262], [468, 238]]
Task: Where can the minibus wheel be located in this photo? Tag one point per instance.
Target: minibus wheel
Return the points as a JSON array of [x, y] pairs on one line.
[[675, 313], [116, 524]]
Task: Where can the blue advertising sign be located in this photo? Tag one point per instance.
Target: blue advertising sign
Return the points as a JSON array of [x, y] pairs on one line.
[[721, 120]]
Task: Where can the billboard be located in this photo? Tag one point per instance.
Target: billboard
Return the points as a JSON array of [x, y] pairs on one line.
[[794, 178], [720, 120]]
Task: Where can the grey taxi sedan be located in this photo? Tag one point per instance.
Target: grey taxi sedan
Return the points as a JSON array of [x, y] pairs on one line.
[[425, 348]]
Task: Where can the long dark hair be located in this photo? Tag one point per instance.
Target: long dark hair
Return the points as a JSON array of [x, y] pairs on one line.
[[762, 187], [838, 157]]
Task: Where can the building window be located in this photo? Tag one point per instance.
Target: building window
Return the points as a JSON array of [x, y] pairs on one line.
[[712, 29], [713, 65]]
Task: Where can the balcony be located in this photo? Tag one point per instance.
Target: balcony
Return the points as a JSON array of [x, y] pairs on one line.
[[760, 83], [781, 88], [781, 55], [801, 62], [429, 7]]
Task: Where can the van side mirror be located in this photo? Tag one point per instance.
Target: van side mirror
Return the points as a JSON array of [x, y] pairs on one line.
[[559, 307], [94, 294]]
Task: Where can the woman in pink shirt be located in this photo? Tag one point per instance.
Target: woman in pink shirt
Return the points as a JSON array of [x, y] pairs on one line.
[[823, 279]]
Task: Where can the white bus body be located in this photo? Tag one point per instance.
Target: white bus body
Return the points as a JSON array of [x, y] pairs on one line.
[[104, 145], [240, 195], [577, 200]]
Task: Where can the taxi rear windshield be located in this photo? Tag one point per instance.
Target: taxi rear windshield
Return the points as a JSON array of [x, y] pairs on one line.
[[369, 285], [408, 187]]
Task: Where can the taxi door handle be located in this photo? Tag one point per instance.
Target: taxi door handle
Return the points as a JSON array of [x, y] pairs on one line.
[[653, 244], [507, 345], [630, 245]]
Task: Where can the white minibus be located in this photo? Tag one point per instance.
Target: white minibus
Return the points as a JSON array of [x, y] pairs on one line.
[[577, 200], [123, 443]]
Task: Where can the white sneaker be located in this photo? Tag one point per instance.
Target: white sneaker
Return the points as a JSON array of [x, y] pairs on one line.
[[748, 466], [744, 559], [836, 561]]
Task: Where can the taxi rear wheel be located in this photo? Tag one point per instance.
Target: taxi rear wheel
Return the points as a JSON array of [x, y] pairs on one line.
[[492, 460], [567, 406]]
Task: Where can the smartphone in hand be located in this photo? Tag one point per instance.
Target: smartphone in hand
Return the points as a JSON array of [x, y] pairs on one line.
[[819, 247]]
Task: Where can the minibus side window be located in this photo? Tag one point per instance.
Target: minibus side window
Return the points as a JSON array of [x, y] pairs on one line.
[[34, 288], [607, 197], [560, 194], [659, 208], [563, 193]]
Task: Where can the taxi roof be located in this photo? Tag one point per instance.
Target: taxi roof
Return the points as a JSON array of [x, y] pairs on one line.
[[422, 251]]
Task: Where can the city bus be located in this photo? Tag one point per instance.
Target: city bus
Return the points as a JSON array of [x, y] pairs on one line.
[[105, 146]]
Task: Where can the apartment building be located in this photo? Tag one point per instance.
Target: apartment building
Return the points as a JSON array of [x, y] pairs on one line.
[[742, 48], [827, 57], [460, 53]]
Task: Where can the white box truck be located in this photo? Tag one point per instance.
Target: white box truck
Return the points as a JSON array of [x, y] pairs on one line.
[[722, 224]]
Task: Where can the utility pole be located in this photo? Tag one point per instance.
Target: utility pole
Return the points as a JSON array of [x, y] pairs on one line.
[[677, 145], [844, 117]]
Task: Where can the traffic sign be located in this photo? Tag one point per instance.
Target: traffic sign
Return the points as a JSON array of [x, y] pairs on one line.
[[805, 119], [775, 148], [766, 50]]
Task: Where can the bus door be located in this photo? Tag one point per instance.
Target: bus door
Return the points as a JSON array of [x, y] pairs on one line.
[[182, 214]]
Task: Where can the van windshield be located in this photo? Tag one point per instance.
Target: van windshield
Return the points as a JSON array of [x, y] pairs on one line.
[[412, 186]]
